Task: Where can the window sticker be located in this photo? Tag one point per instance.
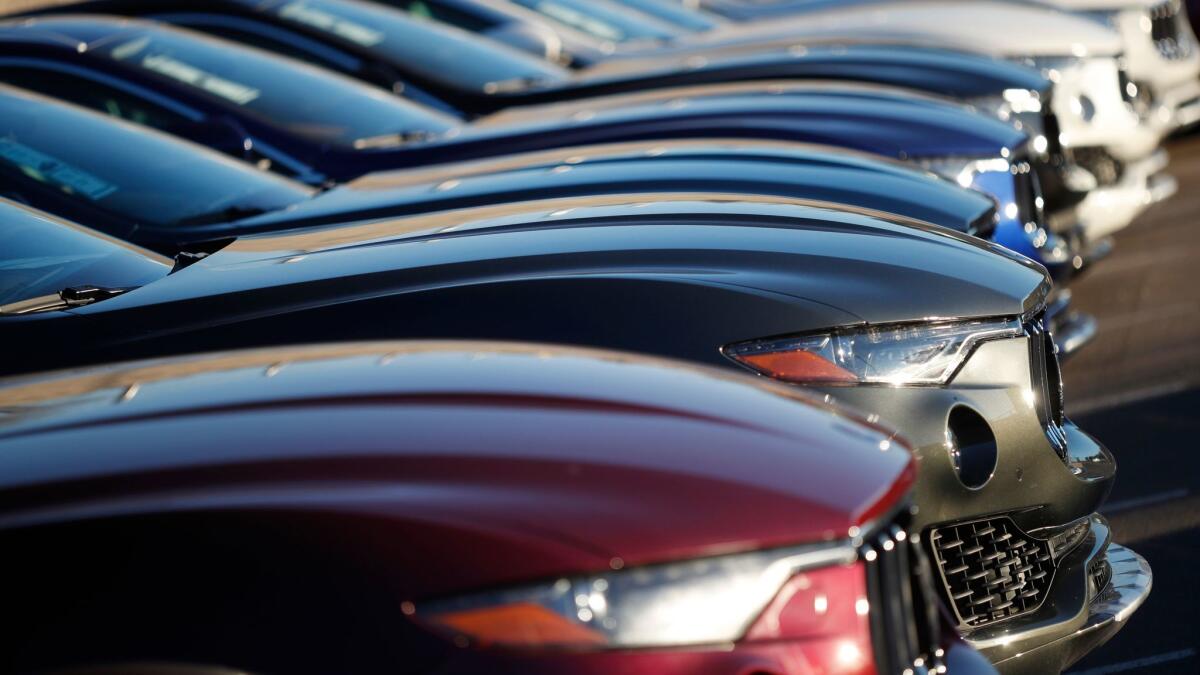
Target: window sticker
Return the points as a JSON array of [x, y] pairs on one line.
[[335, 25], [40, 166], [189, 74]]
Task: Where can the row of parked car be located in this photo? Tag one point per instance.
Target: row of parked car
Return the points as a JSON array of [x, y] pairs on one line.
[[309, 310]]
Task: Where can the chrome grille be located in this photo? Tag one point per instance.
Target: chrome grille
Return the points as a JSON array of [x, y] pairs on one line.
[[1169, 37], [1100, 573], [1047, 385], [991, 570], [904, 616]]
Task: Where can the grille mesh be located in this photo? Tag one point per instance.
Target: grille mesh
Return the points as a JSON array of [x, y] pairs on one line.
[[991, 570], [1100, 572]]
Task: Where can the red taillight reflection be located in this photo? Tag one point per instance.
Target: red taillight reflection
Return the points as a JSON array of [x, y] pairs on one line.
[[823, 617]]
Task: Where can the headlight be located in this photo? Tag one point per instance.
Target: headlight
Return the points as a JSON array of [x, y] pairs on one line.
[[908, 354], [701, 601]]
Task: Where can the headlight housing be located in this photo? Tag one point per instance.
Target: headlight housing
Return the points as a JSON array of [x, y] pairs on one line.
[[702, 601], [898, 354]]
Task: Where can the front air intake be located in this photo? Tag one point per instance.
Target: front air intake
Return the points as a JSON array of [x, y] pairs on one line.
[[991, 571]]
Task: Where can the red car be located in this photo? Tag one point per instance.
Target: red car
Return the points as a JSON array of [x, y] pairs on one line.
[[455, 508]]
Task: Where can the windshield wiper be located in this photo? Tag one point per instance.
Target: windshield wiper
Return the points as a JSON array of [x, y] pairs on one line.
[[68, 298], [225, 215]]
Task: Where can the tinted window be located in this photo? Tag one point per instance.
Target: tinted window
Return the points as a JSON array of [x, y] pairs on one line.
[[613, 24], [139, 175], [41, 256], [271, 44], [432, 9], [432, 52], [314, 104], [91, 94], [675, 14]]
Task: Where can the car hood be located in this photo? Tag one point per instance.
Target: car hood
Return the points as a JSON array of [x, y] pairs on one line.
[[803, 174], [1005, 29], [554, 460], [833, 266], [883, 59], [876, 120], [1099, 5]]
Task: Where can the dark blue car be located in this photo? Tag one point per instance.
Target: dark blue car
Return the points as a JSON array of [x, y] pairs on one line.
[[169, 195], [243, 102]]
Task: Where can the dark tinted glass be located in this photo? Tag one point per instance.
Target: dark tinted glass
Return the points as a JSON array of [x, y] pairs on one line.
[[41, 256], [139, 175], [675, 14], [434, 52], [91, 94], [437, 11], [318, 105], [610, 23]]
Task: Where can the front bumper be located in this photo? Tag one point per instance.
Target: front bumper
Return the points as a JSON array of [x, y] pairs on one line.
[[1113, 207], [1079, 618], [1030, 485], [1166, 71]]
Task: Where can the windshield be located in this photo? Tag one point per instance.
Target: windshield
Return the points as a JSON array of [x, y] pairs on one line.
[[434, 52], [605, 22], [690, 18], [331, 110], [137, 174], [41, 255]]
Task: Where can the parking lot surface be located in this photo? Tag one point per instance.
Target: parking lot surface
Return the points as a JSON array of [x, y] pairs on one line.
[[1137, 388]]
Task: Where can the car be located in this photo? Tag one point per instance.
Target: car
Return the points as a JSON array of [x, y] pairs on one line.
[[1096, 109], [135, 70], [828, 300], [1161, 55], [190, 199], [437, 507], [189, 195]]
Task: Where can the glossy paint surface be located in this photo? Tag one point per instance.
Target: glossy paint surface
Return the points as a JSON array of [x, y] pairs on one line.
[[844, 116], [394, 467], [482, 440], [850, 117], [989, 26], [811, 176], [530, 80], [645, 273]]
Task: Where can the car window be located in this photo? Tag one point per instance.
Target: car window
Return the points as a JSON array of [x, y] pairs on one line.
[[437, 11], [435, 53], [268, 38], [138, 175], [611, 24], [91, 94], [40, 256], [333, 110]]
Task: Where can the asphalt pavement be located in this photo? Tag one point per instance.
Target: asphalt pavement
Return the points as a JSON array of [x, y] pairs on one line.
[[1137, 389]]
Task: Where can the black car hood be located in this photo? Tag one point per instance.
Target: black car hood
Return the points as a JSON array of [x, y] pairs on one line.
[[662, 274], [862, 268]]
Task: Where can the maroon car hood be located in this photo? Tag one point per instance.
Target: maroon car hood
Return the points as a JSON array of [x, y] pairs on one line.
[[457, 464]]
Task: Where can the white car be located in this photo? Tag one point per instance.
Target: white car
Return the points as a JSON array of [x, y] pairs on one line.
[[1098, 102], [1161, 55]]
